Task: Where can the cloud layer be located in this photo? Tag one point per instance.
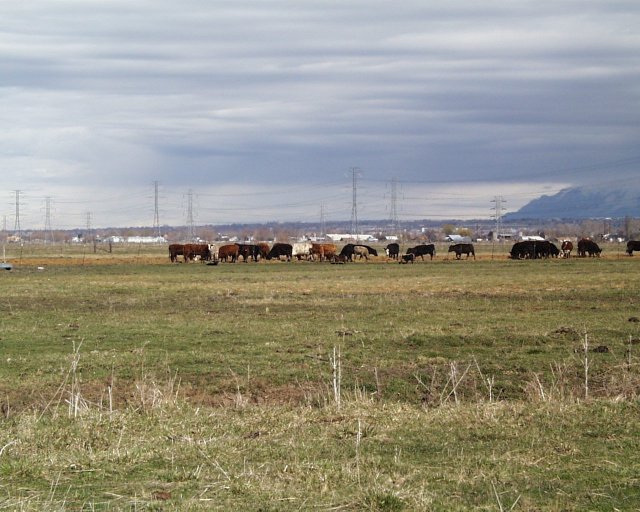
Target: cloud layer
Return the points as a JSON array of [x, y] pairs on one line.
[[279, 100]]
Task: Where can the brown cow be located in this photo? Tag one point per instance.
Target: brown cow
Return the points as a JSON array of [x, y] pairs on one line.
[[175, 250], [191, 251], [263, 249], [323, 251], [228, 253], [567, 247]]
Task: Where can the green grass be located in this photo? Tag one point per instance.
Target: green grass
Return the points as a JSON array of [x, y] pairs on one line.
[[222, 396]]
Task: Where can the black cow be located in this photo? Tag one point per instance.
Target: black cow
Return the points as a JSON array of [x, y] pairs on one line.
[[461, 249], [633, 245], [248, 251], [533, 249], [408, 258], [278, 250], [346, 253], [586, 246], [393, 250], [422, 250]]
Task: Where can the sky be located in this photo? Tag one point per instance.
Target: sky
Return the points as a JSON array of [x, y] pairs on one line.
[[261, 111]]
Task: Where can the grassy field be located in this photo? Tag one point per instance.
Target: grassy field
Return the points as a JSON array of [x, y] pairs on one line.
[[127, 382]]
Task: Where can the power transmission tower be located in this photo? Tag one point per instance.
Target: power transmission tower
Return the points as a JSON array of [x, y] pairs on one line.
[[394, 205], [156, 215], [48, 232], [498, 208], [17, 231], [192, 231], [355, 172], [88, 226], [323, 227]]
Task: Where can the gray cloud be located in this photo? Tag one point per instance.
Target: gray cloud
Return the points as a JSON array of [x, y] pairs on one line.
[[108, 96]]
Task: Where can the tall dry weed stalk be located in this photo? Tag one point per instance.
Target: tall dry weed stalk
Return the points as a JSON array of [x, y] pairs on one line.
[[336, 366]]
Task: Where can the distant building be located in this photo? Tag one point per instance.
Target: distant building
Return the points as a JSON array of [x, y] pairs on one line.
[[339, 237], [457, 239]]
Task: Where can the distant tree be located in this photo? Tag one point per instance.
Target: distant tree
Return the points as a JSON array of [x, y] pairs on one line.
[[448, 229]]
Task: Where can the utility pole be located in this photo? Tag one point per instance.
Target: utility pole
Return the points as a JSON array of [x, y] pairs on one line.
[[17, 231], [156, 215], [192, 231], [48, 232], [498, 208], [355, 172]]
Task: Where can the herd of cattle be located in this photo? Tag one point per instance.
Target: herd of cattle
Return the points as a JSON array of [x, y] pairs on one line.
[[350, 252], [304, 251]]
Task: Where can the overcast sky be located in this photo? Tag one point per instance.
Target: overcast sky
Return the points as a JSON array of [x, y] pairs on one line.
[[261, 109]]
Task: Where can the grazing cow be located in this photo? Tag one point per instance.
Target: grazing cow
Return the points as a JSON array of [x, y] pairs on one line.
[[461, 249], [301, 250], [533, 249], [347, 252], [248, 251], [586, 246], [632, 245], [392, 250], [364, 251], [408, 258], [263, 249], [567, 247], [422, 250], [175, 250], [229, 253], [278, 250], [193, 251], [323, 251]]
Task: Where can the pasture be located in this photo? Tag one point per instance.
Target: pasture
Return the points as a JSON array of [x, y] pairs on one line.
[[130, 382]]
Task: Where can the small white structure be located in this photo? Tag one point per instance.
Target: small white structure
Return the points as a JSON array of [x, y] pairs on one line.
[[146, 240], [531, 238], [458, 239], [338, 237]]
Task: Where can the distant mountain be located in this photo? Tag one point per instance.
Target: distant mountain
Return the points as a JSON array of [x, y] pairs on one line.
[[583, 202]]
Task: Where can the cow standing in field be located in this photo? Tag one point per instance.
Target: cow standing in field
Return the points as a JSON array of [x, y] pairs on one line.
[[279, 250], [323, 251], [248, 251], [460, 249], [393, 250], [533, 249], [193, 251], [422, 250], [566, 247], [632, 245], [228, 253], [364, 251], [175, 250], [263, 249], [301, 250], [586, 246]]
